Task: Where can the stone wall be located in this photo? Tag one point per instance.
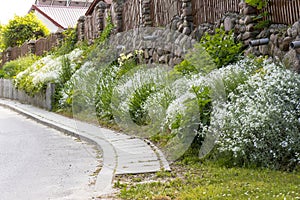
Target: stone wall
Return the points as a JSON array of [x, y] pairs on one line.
[[159, 45], [181, 17], [246, 29], [280, 38], [130, 14], [43, 100]]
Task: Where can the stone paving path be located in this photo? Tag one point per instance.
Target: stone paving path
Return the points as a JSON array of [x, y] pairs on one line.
[[122, 154]]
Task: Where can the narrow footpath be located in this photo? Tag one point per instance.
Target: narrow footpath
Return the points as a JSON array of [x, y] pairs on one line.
[[122, 154]]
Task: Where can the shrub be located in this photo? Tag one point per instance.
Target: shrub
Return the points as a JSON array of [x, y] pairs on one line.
[[132, 93], [68, 44], [78, 92], [221, 47], [136, 104], [22, 29], [109, 77], [259, 4], [12, 68], [261, 126], [45, 70]]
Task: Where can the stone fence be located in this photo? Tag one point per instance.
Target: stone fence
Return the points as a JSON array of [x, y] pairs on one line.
[[185, 17], [43, 99], [37, 47], [189, 14]]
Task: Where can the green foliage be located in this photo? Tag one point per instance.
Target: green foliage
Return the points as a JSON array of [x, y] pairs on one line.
[[2, 46], [66, 70], [12, 68], [259, 4], [185, 68], [106, 32], [68, 43], [109, 79], [209, 181], [138, 114], [22, 29], [204, 103], [221, 47], [263, 24], [61, 87]]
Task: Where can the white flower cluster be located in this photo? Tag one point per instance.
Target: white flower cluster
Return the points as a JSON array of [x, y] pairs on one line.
[[129, 84], [261, 124], [80, 84], [183, 92], [44, 71]]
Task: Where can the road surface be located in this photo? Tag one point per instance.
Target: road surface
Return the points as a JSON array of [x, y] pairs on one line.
[[37, 162]]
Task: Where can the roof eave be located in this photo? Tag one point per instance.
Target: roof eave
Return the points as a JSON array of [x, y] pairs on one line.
[[35, 8], [93, 5]]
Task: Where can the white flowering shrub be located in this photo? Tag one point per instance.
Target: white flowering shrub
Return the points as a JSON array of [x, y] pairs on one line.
[[177, 108], [109, 77], [79, 88], [45, 70], [132, 93], [262, 124], [104, 90]]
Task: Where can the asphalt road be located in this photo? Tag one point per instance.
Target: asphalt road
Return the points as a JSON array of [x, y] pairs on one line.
[[37, 162]]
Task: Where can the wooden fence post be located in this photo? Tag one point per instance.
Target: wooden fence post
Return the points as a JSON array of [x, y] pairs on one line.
[[81, 28], [146, 13], [118, 9], [8, 54], [187, 16], [31, 46]]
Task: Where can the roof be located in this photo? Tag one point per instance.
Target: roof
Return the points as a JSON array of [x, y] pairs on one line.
[[93, 5], [62, 16], [77, 3]]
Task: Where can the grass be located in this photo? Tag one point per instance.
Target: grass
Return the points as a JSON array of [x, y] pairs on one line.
[[210, 181]]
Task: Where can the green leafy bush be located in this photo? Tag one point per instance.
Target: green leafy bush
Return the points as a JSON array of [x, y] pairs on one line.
[[222, 47], [136, 104], [68, 44], [12, 68], [131, 94], [109, 77], [22, 29], [259, 4]]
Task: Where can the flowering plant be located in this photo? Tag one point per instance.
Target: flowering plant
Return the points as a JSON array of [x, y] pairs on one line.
[[262, 122], [45, 70]]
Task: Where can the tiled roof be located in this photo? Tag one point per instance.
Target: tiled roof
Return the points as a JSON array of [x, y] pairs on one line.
[[62, 16], [80, 3]]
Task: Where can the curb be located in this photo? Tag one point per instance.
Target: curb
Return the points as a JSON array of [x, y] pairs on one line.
[[114, 160], [107, 172]]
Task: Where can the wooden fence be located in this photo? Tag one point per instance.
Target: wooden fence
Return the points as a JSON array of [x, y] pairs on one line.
[[162, 11], [131, 14], [38, 47], [209, 11], [284, 11]]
